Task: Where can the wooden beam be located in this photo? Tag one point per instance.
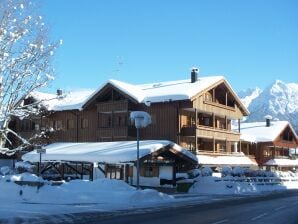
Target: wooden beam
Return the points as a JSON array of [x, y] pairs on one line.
[[62, 172], [179, 124], [91, 172], [196, 123]]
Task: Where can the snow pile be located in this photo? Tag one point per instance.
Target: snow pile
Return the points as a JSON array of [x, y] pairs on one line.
[[24, 167], [149, 196], [243, 181], [206, 171], [70, 197], [25, 177], [5, 170]]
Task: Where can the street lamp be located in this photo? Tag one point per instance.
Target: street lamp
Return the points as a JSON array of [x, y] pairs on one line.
[[141, 119]]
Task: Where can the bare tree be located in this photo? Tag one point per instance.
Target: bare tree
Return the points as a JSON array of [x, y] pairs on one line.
[[25, 61]]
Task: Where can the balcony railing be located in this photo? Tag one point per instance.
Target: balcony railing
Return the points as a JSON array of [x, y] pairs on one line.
[[219, 105], [210, 132], [216, 153], [113, 106]]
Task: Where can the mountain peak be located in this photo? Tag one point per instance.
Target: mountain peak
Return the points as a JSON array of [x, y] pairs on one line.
[[279, 99]]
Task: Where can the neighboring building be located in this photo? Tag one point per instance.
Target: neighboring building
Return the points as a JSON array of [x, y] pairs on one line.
[[195, 113], [271, 143], [160, 161]]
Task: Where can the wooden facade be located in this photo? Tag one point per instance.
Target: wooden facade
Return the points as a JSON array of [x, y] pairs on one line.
[[201, 124]]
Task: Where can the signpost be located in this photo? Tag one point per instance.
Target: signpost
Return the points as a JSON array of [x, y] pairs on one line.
[[40, 150]]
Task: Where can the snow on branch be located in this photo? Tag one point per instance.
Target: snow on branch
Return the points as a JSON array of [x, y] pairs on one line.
[[26, 56]]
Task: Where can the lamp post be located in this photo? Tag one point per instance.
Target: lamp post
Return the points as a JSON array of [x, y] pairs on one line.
[[140, 119]]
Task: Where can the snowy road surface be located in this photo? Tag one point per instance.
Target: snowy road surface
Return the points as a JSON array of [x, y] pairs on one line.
[[280, 208]]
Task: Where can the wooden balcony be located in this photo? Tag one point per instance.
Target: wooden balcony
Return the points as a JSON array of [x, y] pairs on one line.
[[215, 153], [112, 106], [219, 109], [218, 105], [209, 132]]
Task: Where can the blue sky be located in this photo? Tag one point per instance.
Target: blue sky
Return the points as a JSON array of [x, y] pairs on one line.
[[251, 43]]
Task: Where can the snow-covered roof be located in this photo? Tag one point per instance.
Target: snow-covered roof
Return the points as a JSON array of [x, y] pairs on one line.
[[68, 101], [259, 132], [142, 93], [282, 162], [229, 160], [106, 152], [163, 91], [177, 90]]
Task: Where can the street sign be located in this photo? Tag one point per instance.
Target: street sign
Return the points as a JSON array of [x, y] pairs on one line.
[[41, 150]]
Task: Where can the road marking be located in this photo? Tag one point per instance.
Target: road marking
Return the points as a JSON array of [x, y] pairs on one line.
[[279, 208], [222, 221], [259, 216]]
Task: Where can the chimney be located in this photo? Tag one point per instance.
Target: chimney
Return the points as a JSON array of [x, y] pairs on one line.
[[59, 92], [268, 119], [194, 75]]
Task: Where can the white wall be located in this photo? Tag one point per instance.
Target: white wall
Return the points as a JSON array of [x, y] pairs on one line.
[[166, 172]]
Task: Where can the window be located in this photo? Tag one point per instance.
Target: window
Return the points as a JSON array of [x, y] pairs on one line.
[[58, 125], [104, 120], [119, 121], [149, 170], [84, 123], [27, 125], [153, 119], [222, 147], [206, 121], [51, 124], [70, 124], [287, 136]]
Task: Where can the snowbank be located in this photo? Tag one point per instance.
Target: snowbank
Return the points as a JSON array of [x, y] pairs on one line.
[[69, 197], [241, 185]]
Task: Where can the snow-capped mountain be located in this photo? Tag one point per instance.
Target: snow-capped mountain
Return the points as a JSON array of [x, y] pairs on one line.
[[280, 100], [247, 96]]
